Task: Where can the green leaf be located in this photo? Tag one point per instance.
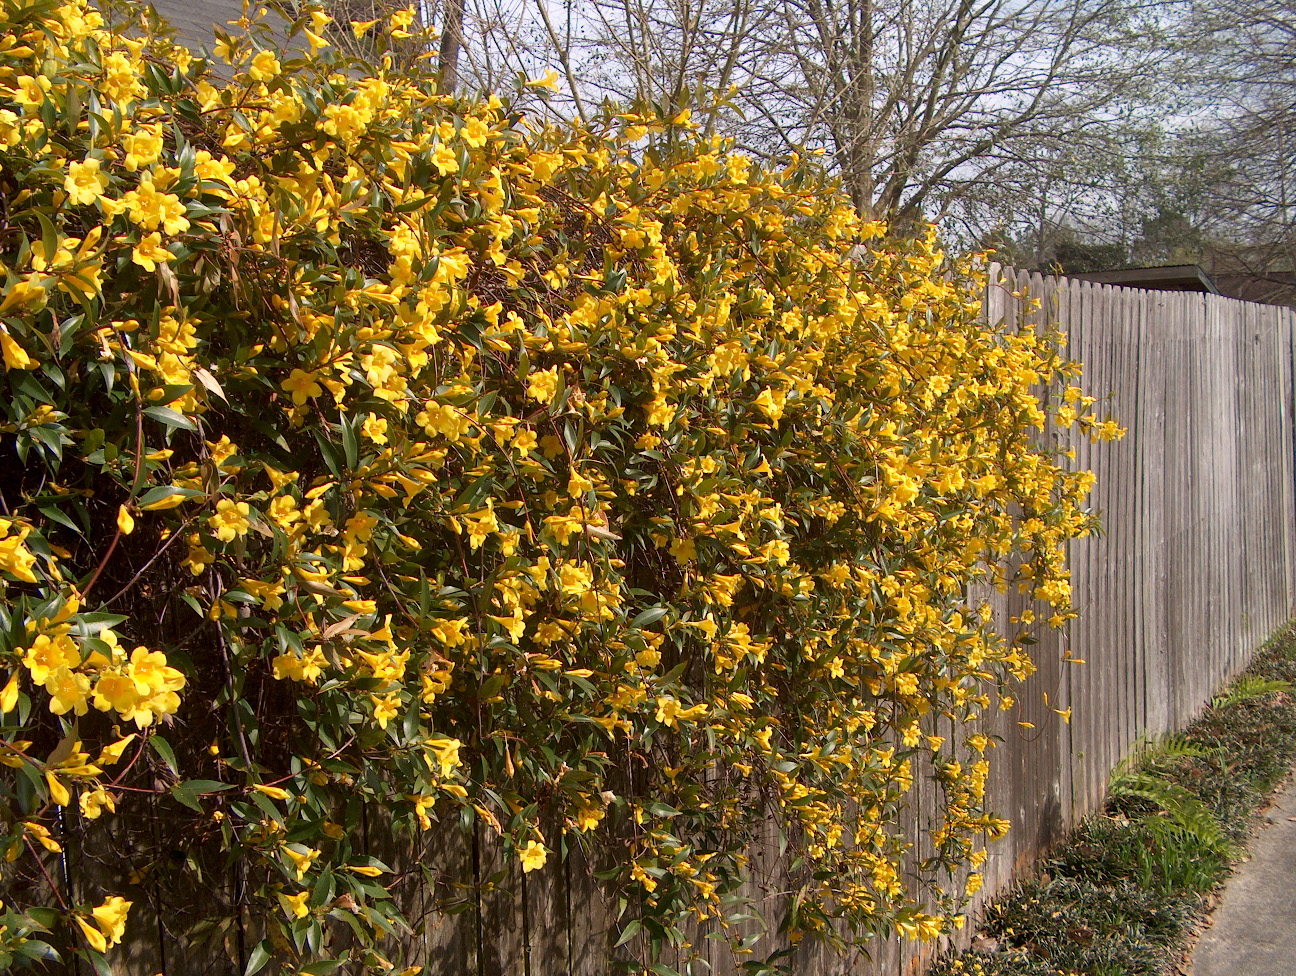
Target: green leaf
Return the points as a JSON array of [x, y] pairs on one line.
[[209, 383], [474, 494], [204, 786], [169, 417], [260, 956], [329, 454], [49, 235], [631, 930], [163, 749], [192, 602], [56, 514], [35, 949], [162, 492], [95, 622], [186, 795], [350, 442], [648, 617], [322, 968], [51, 438]]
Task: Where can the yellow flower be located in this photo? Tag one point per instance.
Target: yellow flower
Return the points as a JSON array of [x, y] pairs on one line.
[[302, 385], [588, 815], [15, 356], [42, 835], [68, 691], [920, 927], [375, 428], [475, 132], [30, 292], [295, 906], [385, 708], [151, 209], [58, 792], [684, 550], [668, 710], [149, 252], [264, 66], [84, 183], [302, 860], [542, 384], [48, 654], [533, 856], [142, 147], [198, 557], [125, 522], [93, 935], [15, 558], [575, 580], [638, 873], [230, 520], [480, 526], [525, 442], [94, 802], [771, 402], [164, 503], [548, 80], [9, 695], [445, 160], [115, 691], [149, 670], [305, 669], [111, 918], [112, 753], [446, 752], [274, 792]]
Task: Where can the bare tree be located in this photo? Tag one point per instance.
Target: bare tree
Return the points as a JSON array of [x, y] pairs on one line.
[[925, 103], [922, 104], [1250, 95]]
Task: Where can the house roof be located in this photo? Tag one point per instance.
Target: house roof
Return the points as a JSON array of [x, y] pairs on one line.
[[1175, 277], [195, 21]]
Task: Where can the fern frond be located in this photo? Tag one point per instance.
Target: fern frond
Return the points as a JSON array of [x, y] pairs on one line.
[[1245, 689]]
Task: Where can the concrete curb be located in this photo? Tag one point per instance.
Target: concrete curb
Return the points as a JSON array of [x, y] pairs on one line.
[[1253, 932]]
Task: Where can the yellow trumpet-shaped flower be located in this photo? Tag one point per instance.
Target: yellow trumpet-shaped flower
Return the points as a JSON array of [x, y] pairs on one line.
[[533, 856], [302, 860], [85, 183], [295, 906], [15, 356], [110, 917], [149, 252]]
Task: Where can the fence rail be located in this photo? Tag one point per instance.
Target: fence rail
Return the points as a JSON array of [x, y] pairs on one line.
[[1193, 570]]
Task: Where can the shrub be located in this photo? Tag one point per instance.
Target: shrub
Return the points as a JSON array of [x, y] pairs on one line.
[[378, 457]]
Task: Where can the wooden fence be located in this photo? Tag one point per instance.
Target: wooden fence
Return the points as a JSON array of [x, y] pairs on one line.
[[1195, 566], [1194, 569]]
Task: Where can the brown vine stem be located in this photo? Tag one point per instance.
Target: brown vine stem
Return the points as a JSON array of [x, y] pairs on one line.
[[178, 533], [121, 775], [139, 464], [45, 874]]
